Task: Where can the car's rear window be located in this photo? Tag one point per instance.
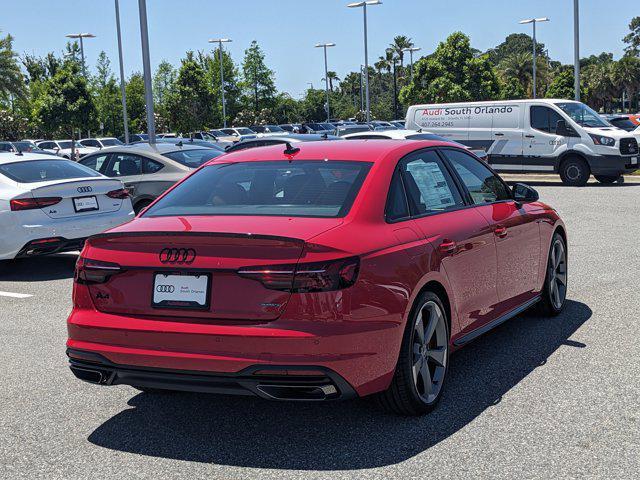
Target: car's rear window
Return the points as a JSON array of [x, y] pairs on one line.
[[32, 171], [305, 188], [194, 158]]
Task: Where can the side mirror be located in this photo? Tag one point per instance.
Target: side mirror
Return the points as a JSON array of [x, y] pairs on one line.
[[524, 193], [565, 130]]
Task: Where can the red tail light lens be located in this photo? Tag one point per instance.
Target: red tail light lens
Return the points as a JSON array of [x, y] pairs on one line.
[[121, 193], [32, 203], [306, 277], [90, 272]]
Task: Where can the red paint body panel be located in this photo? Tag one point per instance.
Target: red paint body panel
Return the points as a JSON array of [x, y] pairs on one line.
[[356, 331]]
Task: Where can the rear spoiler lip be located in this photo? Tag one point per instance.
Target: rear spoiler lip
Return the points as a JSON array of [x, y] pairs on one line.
[[107, 235]]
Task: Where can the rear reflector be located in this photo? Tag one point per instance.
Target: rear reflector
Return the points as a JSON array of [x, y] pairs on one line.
[[32, 203], [121, 193], [90, 272], [306, 277]]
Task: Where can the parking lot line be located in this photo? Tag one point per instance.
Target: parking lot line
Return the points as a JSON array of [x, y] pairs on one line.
[[15, 295]]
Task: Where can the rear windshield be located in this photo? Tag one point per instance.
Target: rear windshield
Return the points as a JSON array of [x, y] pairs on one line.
[[111, 142], [32, 171], [65, 145], [306, 188], [194, 158]]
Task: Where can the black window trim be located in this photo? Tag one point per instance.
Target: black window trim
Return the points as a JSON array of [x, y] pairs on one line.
[[397, 170]]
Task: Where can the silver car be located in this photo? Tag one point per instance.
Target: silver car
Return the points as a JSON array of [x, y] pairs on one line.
[[148, 170]]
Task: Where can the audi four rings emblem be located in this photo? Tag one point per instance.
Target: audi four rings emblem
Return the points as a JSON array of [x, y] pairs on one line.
[[85, 189], [178, 255], [165, 289]]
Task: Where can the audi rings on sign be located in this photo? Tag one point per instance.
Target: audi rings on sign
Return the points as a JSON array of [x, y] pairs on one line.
[[86, 189], [177, 255], [165, 289]]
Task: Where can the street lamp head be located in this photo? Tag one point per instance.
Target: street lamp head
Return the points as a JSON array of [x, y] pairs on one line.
[[80, 35], [411, 49], [320, 45], [542, 19], [362, 4], [534, 20], [220, 40]]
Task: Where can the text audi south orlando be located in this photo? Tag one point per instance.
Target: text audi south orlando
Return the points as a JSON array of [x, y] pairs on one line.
[[328, 271]]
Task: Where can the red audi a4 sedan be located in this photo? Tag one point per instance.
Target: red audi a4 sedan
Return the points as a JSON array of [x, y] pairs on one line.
[[328, 271]]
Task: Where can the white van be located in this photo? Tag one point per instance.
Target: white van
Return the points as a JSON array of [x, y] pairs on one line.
[[534, 136]]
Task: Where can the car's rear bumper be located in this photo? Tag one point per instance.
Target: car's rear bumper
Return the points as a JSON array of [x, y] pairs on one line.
[[362, 352], [270, 382]]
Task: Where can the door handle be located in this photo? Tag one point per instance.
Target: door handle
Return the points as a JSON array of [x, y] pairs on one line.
[[447, 246], [500, 231], [499, 134], [530, 136]]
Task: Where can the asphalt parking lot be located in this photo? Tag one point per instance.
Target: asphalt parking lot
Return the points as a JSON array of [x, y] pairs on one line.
[[535, 398]]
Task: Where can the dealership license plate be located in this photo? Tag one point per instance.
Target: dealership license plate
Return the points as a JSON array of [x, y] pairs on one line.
[[85, 204], [634, 160], [180, 291]]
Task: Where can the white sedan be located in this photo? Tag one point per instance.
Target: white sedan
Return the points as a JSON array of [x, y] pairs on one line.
[[62, 148], [50, 205]]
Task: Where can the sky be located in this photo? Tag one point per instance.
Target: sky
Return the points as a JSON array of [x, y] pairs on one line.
[[287, 30]]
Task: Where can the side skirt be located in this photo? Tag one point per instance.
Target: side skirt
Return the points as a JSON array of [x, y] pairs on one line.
[[494, 323]]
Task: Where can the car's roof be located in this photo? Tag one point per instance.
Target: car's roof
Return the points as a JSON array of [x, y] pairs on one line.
[[355, 150], [396, 134], [158, 148], [293, 138], [10, 157]]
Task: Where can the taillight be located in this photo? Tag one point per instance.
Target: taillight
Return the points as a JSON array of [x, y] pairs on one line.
[[31, 203], [306, 277], [90, 272], [121, 193]]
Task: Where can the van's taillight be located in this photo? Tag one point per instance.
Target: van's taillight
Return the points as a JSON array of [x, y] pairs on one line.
[[306, 277], [32, 203], [121, 193], [94, 271]]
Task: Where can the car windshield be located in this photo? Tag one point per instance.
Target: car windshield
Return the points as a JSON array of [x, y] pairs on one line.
[[193, 158], [245, 131], [305, 188], [110, 142], [275, 128], [64, 145], [583, 115], [32, 171], [217, 133], [623, 123], [24, 146]]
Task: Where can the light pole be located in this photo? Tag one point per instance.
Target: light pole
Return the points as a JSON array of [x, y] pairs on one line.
[[395, 84], [411, 50], [220, 41], [366, 50], [326, 73], [81, 36], [122, 84], [576, 50], [534, 21], [146, 66]]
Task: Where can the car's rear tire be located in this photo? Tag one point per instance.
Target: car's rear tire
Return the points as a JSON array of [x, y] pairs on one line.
[[607, 179], [574, 171], [423, 363], [554, 291], [141, 205]]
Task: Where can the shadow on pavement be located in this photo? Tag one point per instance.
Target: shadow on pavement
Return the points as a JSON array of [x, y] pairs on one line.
[[38, 269], [254, 433]]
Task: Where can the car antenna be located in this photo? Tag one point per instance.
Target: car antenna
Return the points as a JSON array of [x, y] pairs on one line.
[[420, 130], [19, 153], [290, 150]]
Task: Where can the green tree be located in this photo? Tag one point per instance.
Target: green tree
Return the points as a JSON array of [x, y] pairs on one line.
[[258, 83], [562, 86], [211, 65], [136, 105], [163, 82], [451, 74], [516, 43], [400, 42], [632, 39], [107, 98], [512, 89], [11, 79], [332, 77], [190, 104], [65, 105]]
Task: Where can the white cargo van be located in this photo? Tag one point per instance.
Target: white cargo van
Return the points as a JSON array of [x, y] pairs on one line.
[[534, 136]]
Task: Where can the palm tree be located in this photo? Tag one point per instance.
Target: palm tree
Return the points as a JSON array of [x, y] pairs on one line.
[[11, 80], [518, 66], [332, 76], [401, 42]]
